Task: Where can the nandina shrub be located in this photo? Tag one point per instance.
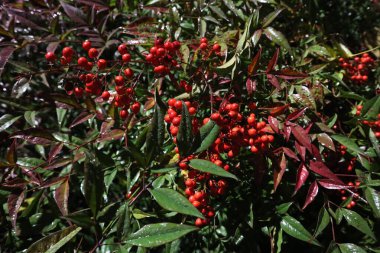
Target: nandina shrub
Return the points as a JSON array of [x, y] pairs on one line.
[[171, 139]]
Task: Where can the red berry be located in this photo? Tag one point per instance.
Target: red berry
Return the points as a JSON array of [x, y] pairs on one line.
[[171, 102], [102, 64], [204, 40], [169, 46], [135, 107], [178, 104], [215, 116], [192, 110], [174, 131], [67, 52], [86, 45], [149, 57], [105, 95], [93, 53], [176, 121], [119, 80], [203, 46], [161, 51], [50, 56], [78, 91], [83, 62], [122, 49], [216, 47], [198, 222], [128, 72], [123, 114], [126, 57]]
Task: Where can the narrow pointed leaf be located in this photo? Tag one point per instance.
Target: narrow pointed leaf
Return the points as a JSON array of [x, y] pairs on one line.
[[6, 121], [253, 66], [323, 221], [52, 243], [332, 185], [277, 37], [154, 235], [270, 17], [279, 172], [373, 198], [272, 63], [61, 196], [173, 201], [294, 228], [208, 134], [209, 167], [184, 137], [311, 194], [15, 200], [349, 143], [302, 175], [321, 169], [350, 248], [354, 219], [302, 137]]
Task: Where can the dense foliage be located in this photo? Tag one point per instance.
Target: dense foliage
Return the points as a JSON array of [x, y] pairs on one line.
[[189, 126]]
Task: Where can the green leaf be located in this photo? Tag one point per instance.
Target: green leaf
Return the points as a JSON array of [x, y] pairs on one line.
[[156, 132], [174, 201], [6, 121], [209, 167], [375, 142], [373, 198], [323, 221], [346, 53], [93, 186], [208, 134], [184, 137], [350, 248], [354, 219], [218, 12], [270, 17], [277, 37], [295, 229], [52, 243], [30, 117], [154, 235], [371, 108], [229, 63], [349, 143]]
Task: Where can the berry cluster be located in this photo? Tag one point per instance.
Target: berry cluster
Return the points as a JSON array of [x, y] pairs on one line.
[[375, 125], [358, 68], [205, 47], [163, 56]]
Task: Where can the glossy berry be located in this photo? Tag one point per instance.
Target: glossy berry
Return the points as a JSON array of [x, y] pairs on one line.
[[135, 108], [83, 62], [105, 95], [67, 52], [126, 57], [50, 56], [128, 72], [123, 114], [122, 49], [119, 80], [102, 64], [86, 45], [203, 46], [93, 53]]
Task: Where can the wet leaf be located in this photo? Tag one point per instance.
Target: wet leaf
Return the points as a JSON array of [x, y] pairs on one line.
[[289, 74], [52, 243], [20, 87], [332, 185], [323, 221], [115, 134], [154, 235], [54, 151], [209, 167], [277, 37], [273, 122], [61, 196], [302, 175], [326, 141], [253, 66], [302, 137], [173, 201], [15, 200], [349, 143], [272, 63], [279, 172], [350, 248], [74, 13], [354, 219], [321, 169], [294, 228], [218, 12], [311, 194], [373, 198], [5, 54], [6, 121], [30, 117], [270, 17], [82, 117]]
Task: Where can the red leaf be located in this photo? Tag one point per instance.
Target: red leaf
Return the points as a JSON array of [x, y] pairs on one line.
[[290, 153], [289, 74], [252, 68], [15, 200], [302, 175], [321, 169], [76, 15], [287, 131], [5, 54], [106, 126], [274, 81], [34, 136], [12, 154], [82, 117], [114, 134], [61, 196], [59, 163], [54, 151], [316, 153], [251, 86], [331, 185], [311, 194], [279, 172], [301, 150], [15, 183], [278, 110], [295, 115], [53, 181], [273, 122], [302, 137], [273, 61]]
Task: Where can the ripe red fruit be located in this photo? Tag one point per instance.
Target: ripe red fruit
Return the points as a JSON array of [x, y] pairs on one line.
[[196, 203], [78, 91], [83, 62], [122, 49], [198, 196], [161, 51], [67, 52], [171, 102], [102, 64], [93, 53], [123, 114], [215, 116], [178, 104], [189, 191], [119, 80], [192, 110], [126, 57], [203, 46], [174, 131], [182, 165], [136, 107], [190, 182], [198, 222], [105, 95], [128, 72], [216, 47], [176, 121], [86, 45], [204, 40], [169, 46], [159, 69], [50, 56], [176, 44], [149, 57]]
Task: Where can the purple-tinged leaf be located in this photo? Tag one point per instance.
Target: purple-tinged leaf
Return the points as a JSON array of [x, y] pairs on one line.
[[32, 176], [12, 154], [279, 172], [295, 115], [106, 126], [302, 137], [287, 132], [332, 185], [273, 122], [326, 141], [316, 153], [290, 153], [53, 181], [15, 200], [52, 46], [74, 13], [15, 183], [302, 175], [34, 136], [278, 110], [61, 196], [273, 61], [311, 194], [54, 151], [114, 134], [252, 68], [251, 86], [289, 74], [82, 117], [301, 150], [59, 163], [321, 169], [274, 81], [5, 54], [65, 99]]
